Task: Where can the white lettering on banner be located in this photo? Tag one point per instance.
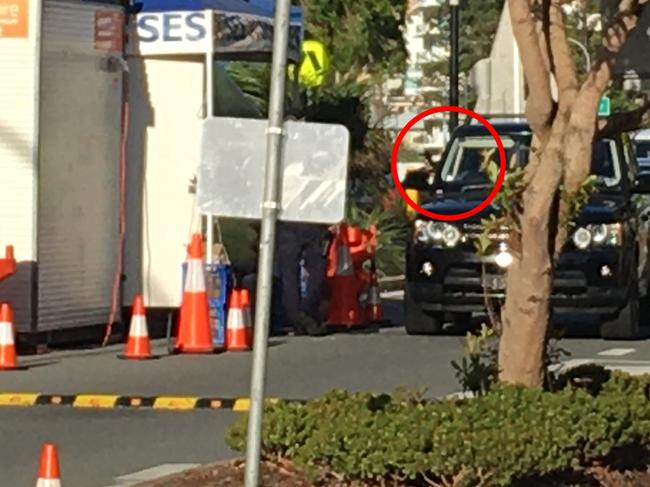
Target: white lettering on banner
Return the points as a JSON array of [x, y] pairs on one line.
[[171, 32]]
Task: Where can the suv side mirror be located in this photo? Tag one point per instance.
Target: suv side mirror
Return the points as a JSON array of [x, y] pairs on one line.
[[642, 183], [419, 180]]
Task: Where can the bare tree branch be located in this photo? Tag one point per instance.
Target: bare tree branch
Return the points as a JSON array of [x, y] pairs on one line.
[[540, 107], [614, 37], [625, 121], [541, 26], [583, 122], [562, 61]]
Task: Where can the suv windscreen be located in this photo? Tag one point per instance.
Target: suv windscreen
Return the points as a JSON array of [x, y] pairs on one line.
[[469, 157]]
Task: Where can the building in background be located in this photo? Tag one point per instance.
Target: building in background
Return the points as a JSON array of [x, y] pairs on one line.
[[421, 87], [499, 80]]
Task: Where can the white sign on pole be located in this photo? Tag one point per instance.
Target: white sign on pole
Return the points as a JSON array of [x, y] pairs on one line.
[[314, 168]]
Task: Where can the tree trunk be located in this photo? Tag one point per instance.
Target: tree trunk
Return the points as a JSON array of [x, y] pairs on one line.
[[564, 131], [526, 313]]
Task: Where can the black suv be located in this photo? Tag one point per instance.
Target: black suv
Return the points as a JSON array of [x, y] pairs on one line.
[[603, 269]]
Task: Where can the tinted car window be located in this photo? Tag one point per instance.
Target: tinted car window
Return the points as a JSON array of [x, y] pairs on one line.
[[469, 156]]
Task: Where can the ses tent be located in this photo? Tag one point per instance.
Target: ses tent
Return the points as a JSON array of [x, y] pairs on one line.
[[173, 46]]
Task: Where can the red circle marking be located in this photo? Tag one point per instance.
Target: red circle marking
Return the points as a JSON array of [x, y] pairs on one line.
[[457, 216]]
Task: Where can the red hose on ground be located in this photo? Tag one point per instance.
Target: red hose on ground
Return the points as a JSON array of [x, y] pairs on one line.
[[122, 218]]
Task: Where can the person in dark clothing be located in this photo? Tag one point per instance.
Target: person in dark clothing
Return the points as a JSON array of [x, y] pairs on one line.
[[308, 243]]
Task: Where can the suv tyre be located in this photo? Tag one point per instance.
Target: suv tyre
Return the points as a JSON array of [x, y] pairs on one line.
[[419, 322], [462, 322], [626, 325]]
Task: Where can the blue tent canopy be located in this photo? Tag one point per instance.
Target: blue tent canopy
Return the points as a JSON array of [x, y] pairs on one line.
[[264, 8]]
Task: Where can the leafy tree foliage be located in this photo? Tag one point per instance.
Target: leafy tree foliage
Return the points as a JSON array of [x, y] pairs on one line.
[[364, 37]]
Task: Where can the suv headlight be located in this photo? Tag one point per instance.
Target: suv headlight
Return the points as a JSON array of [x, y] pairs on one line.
[[436, 233], [598, 235], [420, 232], [582, 238]]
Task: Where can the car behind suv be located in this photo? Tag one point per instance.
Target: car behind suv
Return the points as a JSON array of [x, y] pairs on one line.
[[641, 143], [603, 269]]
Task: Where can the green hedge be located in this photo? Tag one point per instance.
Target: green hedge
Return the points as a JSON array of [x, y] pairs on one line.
[[512, 433]]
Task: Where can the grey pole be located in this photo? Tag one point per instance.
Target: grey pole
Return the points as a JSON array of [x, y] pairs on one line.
[[453, 62], [209, 113], [270, 208]]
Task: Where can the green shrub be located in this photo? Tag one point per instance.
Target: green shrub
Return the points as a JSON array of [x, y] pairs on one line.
[[478, 370], [509, 434]]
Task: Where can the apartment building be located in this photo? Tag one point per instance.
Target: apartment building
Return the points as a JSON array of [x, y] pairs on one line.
[[420, 87]]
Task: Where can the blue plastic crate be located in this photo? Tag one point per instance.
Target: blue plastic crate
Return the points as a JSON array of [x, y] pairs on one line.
[[218, 279]]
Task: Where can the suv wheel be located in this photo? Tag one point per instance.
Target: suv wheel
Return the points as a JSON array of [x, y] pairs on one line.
[[418, 321], [462, 321], [626, 325]]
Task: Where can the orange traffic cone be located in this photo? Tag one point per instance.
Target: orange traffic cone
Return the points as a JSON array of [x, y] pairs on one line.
[[344, 308], [239, 336], [374, 307], [49, 474], [194, 331], [138, 346], [248, 319], [8, 359]]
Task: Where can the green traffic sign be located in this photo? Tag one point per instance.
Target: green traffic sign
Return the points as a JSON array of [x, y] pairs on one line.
[[604, 107]]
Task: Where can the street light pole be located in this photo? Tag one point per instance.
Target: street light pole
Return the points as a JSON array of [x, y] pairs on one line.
[[453, 61]]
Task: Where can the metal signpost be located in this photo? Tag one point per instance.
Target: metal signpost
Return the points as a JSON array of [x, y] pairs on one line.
[[270, 208], [302, 176]]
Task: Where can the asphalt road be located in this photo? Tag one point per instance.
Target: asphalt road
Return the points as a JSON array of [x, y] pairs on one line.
[[101, 448], [96, 448]]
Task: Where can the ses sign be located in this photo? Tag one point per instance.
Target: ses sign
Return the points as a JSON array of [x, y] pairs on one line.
[[172, 32], [190, 32]]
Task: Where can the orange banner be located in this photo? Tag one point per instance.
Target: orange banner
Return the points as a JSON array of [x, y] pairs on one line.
[[14, 18]]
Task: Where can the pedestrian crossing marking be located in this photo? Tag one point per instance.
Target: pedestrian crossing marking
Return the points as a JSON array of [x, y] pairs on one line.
[[617, 352]]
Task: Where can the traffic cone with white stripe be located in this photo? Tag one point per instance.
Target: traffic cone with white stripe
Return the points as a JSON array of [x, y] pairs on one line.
[[239, 336], [194, 330], [8, 357], [49, 474], [138, 346]]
